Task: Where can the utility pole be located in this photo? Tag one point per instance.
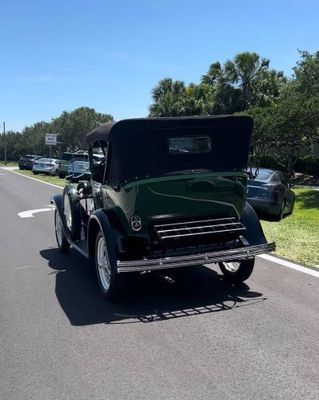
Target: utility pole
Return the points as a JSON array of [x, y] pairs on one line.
[[5, 143]]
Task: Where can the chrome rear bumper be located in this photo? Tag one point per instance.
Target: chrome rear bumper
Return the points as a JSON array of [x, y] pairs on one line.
[[242, 253]]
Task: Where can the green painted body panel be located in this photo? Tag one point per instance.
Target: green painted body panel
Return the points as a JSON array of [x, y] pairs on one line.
[[183, 196]]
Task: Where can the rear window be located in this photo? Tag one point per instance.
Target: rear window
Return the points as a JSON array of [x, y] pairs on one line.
[[189, 145], [30, 156], [81, 157], [263, 175], [67, 156]]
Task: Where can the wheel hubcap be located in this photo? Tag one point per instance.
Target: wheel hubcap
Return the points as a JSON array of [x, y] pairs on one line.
[[231, 266], [103, 264]]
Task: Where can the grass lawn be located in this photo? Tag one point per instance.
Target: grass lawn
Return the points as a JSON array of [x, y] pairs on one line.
[[45, 178], [8, 164], [297, 236]]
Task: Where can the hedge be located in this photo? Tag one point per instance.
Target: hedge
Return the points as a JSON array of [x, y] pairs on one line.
[[308, 165]]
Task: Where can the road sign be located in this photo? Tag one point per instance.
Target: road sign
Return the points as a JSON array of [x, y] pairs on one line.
[[50, 139]]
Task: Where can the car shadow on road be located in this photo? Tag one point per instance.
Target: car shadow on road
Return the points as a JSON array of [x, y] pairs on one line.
[[149, 297]]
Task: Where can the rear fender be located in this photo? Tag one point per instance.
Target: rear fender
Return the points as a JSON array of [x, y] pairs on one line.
[[254, 233], [99, 221], [57, 201]]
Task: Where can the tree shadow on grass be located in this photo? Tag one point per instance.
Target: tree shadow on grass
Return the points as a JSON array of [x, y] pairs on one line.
[[309, 199], [148, 297]]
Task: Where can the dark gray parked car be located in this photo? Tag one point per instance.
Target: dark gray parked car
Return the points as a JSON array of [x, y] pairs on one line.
[[269, 193], [27, 161]]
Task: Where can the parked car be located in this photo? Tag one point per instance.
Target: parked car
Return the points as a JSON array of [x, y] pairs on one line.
[[77, 168], [169, 193], [48, 166], [27, 161], [67, 157], [64, 164], [269, 193]]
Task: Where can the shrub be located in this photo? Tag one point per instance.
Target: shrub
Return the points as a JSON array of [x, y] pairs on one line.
[[267, 161], [308, 165]]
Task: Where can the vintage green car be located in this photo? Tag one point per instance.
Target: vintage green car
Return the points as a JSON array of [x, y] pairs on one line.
[[166, 193]]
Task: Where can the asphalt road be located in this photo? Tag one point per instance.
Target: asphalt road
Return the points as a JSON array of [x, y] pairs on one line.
[[195, 338]]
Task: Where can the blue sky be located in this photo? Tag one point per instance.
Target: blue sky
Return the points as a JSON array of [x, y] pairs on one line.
[[60, 55]]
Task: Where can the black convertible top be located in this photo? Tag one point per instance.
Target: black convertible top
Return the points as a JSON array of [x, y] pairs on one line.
[[109, 130], [138, 148]]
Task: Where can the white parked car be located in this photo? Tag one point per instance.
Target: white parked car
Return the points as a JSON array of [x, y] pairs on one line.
[[46, 166]]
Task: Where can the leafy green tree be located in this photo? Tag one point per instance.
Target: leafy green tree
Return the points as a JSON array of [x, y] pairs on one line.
[[307, 74], [73, 126], [32, 138], [13, 145], [70, 126], [284, 130]]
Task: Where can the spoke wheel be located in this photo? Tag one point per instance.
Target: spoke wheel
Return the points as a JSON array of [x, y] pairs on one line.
[[68, 212], [103, 264], [62, 242], [237, 271], [72, 215], [110, 282]]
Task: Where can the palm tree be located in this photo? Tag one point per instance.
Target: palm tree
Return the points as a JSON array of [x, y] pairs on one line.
[[224, 98], [168, 98], [245, 71]]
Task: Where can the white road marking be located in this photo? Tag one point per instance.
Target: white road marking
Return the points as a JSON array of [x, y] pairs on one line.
[[37, 180], [24, 267], [29, 213], [291, 265]]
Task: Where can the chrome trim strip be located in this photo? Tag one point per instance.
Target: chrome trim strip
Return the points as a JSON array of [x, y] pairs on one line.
[[163, 236], [242, 253], [199, 227], [198, 222], [214, 226]]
